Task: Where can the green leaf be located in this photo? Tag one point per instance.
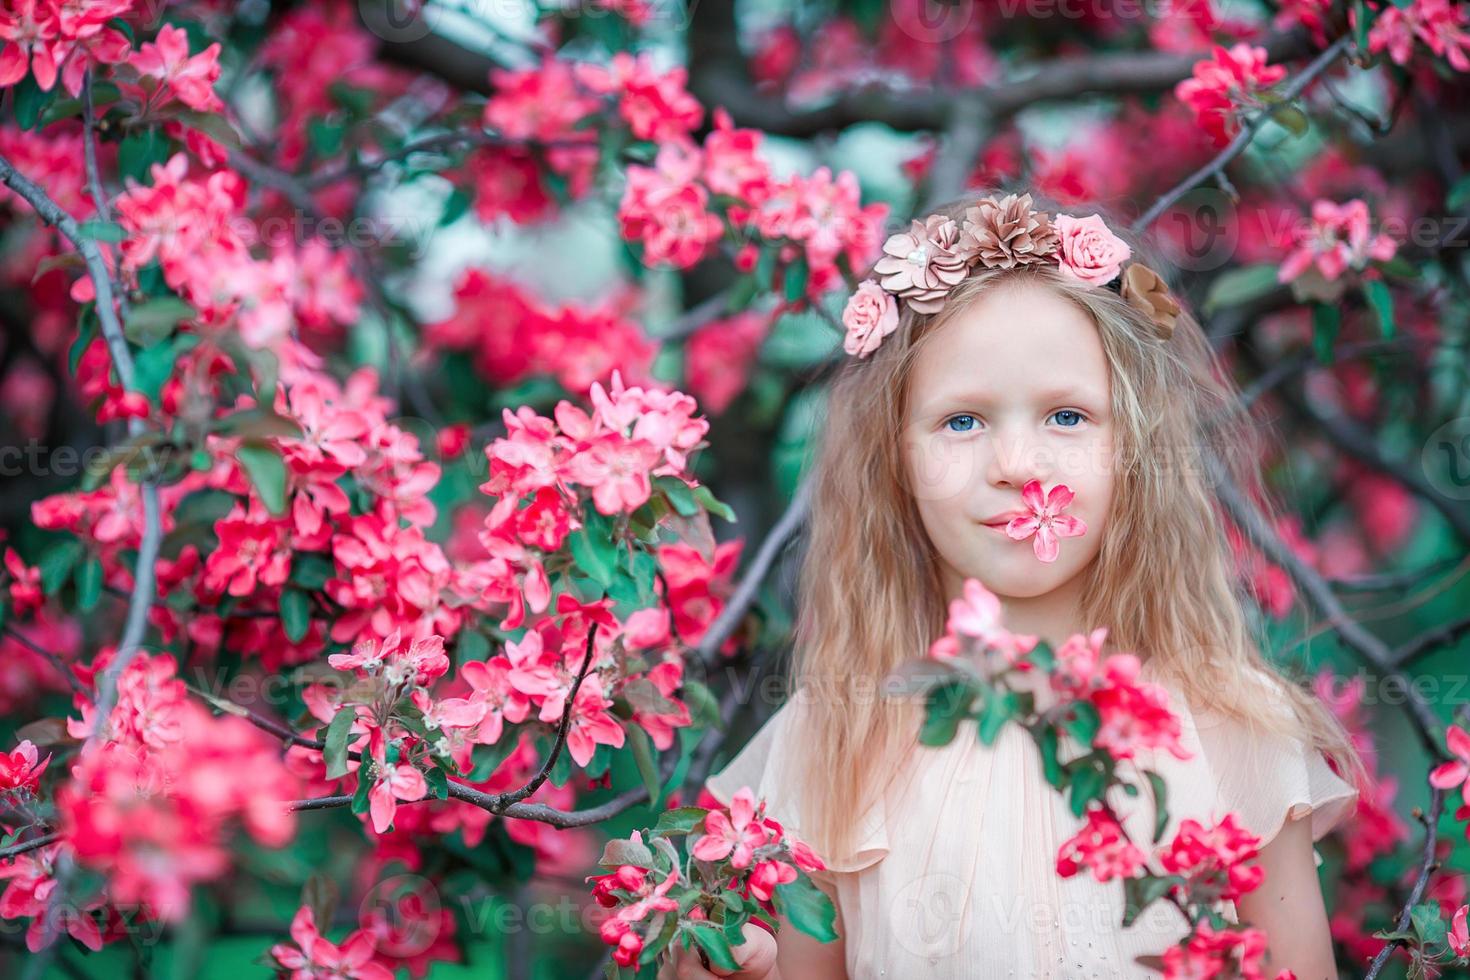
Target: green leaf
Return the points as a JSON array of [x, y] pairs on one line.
[[653, 945], [102, 231], [154, 365], [1293, 119], [57, 562], [1140, 893], [1399, 267], [354, 97], [139, 150], [89, 584], [1428, 924], [489, 757], [627, 594], [712, 941], [594, 555], [681, 496], [947, 704], [1082, 722], [150, 322], [1088, 784], [1459, 194], [1362, 21], [808, 908], [86, 333], [1161, 803], [621, 850], [644, 756], [29, 101], [1046, 742], [1326, 320], [455, 205], [334, 752], [438, 782], [310, 570], [999, 708], [1378, 296], [797, 275], [360, 802], [561, 769], [213, 125], [704, 708], [267, 471], [1043, 656], [680, 820], [645, 697], [326, 138], [719, 508], [295, 614], [1239, 286], [739, 296], [258, 423], [765, 267], [470, 644]]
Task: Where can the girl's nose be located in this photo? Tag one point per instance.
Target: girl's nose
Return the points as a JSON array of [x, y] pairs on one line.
[[1014, 460]]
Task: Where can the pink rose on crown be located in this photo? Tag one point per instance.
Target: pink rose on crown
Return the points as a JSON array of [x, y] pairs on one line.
[[870, 315], [1088, 251]]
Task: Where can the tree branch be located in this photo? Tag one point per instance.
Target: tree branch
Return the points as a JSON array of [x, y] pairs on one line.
[[1320, 595], [1216, 167]]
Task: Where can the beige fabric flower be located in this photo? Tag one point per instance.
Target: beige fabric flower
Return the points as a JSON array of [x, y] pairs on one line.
[[923, 264], [1146, 290], [1009, 232]]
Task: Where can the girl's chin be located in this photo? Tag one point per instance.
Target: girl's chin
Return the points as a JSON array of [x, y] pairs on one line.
[[1024, 583]]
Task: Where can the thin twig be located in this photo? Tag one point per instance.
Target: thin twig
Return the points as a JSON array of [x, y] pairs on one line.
[[25, 847], [56, 661], [506, 799], [744, 595], [141, 600], [1250, 520], [1439, 636], [1427, 865]]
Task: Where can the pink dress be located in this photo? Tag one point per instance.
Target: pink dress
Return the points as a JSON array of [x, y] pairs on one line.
[[955, 877]]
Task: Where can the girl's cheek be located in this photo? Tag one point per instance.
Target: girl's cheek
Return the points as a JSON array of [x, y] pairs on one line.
[[941, 469]]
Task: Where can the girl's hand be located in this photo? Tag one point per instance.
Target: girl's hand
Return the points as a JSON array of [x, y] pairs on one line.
[[756, 956]]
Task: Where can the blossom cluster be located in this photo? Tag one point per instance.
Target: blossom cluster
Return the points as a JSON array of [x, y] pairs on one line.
[[511, 335], [150, 803], [738, 852], [1100, 700], [1133, 715], [1231, 80], [1339, 239]]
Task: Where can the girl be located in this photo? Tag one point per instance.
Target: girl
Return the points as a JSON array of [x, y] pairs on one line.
[[997, 344]]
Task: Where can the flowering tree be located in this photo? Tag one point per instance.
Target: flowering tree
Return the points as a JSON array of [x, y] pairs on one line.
[[351, 598]]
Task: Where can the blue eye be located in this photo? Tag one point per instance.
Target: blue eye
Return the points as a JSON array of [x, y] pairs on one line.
[[959, 418], [1067, 417]]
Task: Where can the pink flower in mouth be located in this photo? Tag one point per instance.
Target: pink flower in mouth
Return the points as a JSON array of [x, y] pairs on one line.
[[1046, 519]]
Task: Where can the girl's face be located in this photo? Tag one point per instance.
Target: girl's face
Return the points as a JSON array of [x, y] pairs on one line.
[[1013, 388]]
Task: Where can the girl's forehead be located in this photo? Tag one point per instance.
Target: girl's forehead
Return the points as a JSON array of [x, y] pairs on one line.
[[1029, 343]]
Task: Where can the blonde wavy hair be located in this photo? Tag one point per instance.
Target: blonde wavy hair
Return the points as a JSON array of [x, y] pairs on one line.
[[870, 595]]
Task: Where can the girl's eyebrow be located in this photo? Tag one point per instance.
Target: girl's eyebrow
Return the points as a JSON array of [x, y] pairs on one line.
[[1055, 394], [1068, 393]]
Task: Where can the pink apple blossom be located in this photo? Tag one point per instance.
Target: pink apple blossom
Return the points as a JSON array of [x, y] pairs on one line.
[[1046, 520]]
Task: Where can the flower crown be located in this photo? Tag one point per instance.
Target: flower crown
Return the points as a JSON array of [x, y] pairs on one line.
[[921, 265]]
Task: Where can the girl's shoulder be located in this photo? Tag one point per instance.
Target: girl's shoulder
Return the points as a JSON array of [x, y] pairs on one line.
[[1262, 774]]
